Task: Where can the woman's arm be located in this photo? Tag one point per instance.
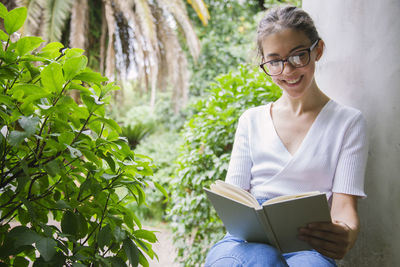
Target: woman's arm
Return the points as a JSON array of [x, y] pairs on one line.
[[337, 238]]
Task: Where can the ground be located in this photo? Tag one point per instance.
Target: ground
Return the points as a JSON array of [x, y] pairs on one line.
[[164, 248]]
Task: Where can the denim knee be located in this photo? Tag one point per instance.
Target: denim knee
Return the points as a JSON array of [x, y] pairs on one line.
[[234, 252]]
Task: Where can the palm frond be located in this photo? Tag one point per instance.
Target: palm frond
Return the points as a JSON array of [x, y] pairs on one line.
[[34, 17], [201, 9], [79, 24], [57, 12], [178, 10]]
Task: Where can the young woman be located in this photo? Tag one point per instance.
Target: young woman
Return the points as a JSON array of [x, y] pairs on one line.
[[302, 142]]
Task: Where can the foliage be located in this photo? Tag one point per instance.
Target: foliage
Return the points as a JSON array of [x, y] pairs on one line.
[[225, 42], [136, 132], [66, 175], [208, 138]]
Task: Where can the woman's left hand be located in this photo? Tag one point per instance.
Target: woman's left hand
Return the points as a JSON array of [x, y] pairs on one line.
[[330, 239]]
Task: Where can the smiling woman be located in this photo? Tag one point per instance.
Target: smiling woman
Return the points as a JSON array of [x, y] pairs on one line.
[[304, 141]]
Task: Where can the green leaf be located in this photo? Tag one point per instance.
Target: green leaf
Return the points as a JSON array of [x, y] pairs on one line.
[[162, 190], [25, 236], [70, 223], [51, 50], [145, 234], [53, 168], [16, 137], [29, 124], [3, 36], [20, 262], [117, 262], [104, 237], [27, 44], [52, 77], [90, 76], [66, 138], [14, 20], [73, 66], [75, 153], [3, 11], [131, 251], [47, 248]]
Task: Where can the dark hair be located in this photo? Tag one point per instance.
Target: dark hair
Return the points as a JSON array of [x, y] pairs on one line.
[[287, 17]]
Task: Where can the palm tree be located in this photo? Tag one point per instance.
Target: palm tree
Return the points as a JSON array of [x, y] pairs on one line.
[[139, 38]]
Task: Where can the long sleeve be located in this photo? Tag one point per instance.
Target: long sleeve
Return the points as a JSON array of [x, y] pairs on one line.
[[239, 171]]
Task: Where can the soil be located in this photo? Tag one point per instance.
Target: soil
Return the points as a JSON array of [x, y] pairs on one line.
[[164, 248]]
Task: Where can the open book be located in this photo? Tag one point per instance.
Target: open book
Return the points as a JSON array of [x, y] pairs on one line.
[[275, 222]]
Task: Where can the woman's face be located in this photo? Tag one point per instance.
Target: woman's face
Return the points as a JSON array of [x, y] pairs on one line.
[[293, 81]]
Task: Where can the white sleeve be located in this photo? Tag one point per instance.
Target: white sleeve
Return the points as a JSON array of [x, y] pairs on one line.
[[239, 170], [350, 170]]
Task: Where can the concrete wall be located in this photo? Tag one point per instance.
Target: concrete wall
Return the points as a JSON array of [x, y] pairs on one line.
[[361, 68]]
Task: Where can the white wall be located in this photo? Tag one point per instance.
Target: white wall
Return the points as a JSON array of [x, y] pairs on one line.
[[361, 68]]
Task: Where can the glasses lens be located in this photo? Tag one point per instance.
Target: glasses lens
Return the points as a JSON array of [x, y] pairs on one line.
[[273, 67], [300, 59]]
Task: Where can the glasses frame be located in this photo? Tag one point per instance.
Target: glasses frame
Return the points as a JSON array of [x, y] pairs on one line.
[[282, 61]]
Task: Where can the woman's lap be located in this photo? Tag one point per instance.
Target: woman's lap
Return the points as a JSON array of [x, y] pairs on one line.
[[234, 252]]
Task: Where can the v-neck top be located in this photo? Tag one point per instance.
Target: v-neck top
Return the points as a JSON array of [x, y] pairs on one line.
[[331, 158]]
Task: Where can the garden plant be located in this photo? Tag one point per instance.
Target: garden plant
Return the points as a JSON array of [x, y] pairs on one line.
[[67, 177], [208, 139]]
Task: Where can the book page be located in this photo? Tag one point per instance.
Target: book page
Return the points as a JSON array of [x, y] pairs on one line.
[[234, 192], [284, 198]]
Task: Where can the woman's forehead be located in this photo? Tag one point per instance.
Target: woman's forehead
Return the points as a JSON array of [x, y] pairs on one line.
[[284, 42]]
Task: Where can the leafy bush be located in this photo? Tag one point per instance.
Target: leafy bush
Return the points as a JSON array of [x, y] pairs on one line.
[[66, 175], [208, 138]]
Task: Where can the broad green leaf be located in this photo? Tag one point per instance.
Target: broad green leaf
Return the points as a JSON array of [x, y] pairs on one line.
[[25, 236], [47, 248], [74, 52], [14, 20], [117, 262], [77, 264], [83, 226], [70, 223], [28, 90], [27, 44], [119, 234], [90, 76], [3, 11], [53, 168], [16, 137], [3, 36], [66, 138], [131, 251], [73, 66], [52, 77], [5, 99], [20, 262], [51, 50], [29, 124], [62, 204], [75, 153], [145, 234], [104, 237]]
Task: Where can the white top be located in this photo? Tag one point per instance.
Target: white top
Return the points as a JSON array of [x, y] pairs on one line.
[[331, 158]]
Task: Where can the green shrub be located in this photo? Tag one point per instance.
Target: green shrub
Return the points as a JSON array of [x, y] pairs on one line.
[[66, 175], [208, 138]]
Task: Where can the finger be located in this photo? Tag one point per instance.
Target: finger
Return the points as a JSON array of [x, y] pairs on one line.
[[334, 227], [322, 235], [327, 248]]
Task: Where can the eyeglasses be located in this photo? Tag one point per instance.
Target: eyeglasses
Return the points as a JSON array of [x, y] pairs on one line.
[[299, 59]]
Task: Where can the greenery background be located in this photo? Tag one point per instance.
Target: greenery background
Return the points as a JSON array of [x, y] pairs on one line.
[[189, 147]]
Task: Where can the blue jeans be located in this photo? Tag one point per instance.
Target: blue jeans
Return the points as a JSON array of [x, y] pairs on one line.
[[235, 252]]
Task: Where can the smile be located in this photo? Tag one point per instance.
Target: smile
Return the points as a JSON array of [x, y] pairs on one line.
[[295, 81]]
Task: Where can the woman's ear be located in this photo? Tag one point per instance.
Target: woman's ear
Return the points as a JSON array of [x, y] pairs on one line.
[[320, 49]]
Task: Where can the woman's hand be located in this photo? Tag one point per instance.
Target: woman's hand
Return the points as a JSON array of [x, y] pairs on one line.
[[334, 239], [330, 239]]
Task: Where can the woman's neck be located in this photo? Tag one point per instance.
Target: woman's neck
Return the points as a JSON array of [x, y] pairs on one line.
[[313, 99]]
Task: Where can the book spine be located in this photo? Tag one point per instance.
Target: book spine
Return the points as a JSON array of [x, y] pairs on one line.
[[263, 219]]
